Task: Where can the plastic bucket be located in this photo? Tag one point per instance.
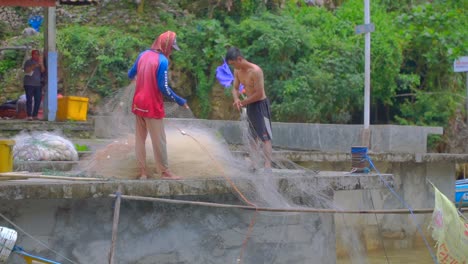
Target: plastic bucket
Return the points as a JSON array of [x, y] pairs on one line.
[[359, 162], [7, 242], [6, 155]]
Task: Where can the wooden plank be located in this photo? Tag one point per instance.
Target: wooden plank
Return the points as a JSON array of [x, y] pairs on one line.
[[115, 224], [287, 210], [27, 3], [18, 176]]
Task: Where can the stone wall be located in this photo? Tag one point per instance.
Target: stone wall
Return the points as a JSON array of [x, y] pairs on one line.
[[12, 19], [313, 137], [151, 233]]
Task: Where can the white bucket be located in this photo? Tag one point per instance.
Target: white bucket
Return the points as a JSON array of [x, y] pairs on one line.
[[7, 242]]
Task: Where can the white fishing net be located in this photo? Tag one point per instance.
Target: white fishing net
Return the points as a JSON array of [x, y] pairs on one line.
[[43, 146], [197, 151]]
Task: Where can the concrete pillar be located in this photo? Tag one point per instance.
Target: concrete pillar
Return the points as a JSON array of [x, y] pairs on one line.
[[50, 100]]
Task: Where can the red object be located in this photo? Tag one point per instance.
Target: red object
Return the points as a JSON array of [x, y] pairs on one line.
[[10, 113], [27, 3], [21, 115], [148, 100]]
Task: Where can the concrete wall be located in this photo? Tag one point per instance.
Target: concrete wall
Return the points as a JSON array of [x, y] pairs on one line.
[[171, 234], [403, 149], [10, 128], [315, 137], [75, 217], [411, 184]]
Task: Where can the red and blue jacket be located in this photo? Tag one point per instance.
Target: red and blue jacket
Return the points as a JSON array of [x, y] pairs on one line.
[[151, 69]]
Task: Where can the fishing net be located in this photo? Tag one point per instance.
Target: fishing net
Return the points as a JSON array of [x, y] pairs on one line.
[[43, 146], [174, 233], [197, 151]]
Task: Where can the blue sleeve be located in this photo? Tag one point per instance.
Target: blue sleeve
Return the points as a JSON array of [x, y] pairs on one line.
[[163, 81], [133, 71]]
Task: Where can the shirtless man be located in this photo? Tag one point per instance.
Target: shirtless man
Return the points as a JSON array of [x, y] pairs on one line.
[[257, 104]]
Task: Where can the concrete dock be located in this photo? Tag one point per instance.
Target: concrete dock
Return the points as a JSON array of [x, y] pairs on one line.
[[63, 189]]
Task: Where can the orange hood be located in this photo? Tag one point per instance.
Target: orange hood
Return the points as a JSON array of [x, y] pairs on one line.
[[164, 43]]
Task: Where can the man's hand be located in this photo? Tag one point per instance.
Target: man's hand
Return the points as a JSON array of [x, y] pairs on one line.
[[186, 106], [237, 103]]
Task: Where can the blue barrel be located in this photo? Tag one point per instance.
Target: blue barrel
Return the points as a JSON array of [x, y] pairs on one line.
[[461, 192], [359, 162]]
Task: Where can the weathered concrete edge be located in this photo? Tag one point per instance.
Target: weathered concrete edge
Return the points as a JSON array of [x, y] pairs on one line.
[[295, 156], [19, 125], [21, 190], [303, 156]]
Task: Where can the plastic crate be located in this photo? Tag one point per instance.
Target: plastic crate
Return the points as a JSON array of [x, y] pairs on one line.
[[7, 242], [72, 108], [6, 155]]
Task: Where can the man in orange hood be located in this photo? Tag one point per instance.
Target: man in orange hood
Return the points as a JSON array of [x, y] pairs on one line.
[[151, 67]]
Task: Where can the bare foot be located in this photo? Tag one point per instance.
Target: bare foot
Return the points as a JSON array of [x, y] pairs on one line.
[[167, 175], [143, 177]]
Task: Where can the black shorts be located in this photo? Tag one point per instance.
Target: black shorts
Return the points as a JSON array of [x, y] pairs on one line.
[[259, 116]]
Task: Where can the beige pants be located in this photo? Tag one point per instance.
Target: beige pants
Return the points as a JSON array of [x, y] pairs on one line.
[[155, 127]]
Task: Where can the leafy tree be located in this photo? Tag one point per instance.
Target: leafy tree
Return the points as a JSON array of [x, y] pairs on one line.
[[203, 45], [434, 34], [102, 54]]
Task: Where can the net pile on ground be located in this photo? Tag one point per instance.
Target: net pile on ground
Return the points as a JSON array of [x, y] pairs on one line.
[[43, 146]]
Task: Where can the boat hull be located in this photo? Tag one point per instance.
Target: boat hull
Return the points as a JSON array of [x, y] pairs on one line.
[[461, 192]]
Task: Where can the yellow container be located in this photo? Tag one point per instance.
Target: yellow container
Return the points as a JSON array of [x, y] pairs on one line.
[[6, 155], [72, 108]]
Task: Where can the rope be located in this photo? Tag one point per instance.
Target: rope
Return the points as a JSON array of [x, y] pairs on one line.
[[35, 239], [279, 210], [413, 217]]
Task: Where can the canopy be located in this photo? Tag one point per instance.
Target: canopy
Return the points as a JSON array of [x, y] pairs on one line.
[[45, 3]]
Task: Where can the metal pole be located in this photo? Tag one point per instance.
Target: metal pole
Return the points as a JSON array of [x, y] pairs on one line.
[[51, 91], [365, 135], [115, 224], [367, 67], [466, 99], [46, 57]]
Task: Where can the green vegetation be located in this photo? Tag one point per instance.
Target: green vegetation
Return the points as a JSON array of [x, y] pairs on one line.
[[313, 61], [9, 61], [100, 56], [79, 147]]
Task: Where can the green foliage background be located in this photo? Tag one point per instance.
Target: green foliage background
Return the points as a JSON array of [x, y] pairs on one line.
[[313, 61]]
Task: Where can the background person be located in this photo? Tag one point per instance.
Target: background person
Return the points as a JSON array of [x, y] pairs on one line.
[[33, 69], [151, 68]]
